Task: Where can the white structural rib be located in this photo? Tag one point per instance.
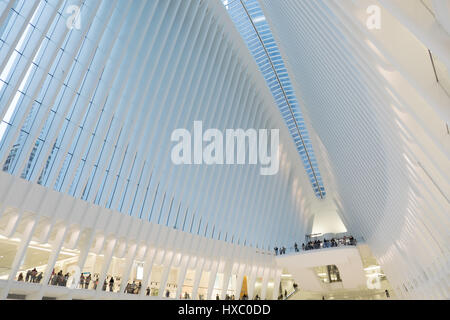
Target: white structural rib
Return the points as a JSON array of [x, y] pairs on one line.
[[372, 97], [86, 119]]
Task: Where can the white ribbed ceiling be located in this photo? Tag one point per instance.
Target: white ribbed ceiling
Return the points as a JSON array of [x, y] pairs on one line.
[[374, 103]]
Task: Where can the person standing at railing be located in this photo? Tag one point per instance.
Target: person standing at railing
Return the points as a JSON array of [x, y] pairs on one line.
[[28, 275], [111, 284], [33, 275], [95, 282], [87, 281], [81, 281]]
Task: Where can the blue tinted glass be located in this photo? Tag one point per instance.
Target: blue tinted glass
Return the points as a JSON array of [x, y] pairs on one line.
[[250, 21]]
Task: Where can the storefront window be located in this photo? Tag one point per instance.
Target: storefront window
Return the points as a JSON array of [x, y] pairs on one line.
[[258, 288], [66, 270], [203, 285], [135, 278], [93, 265], [231, 288], [217, 289], [270, 289], [114, 276], [171, 286], [155, 279], [188, 284], [8, 251]]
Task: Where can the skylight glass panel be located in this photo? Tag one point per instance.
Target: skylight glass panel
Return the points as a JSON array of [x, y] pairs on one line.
[[251, 23]]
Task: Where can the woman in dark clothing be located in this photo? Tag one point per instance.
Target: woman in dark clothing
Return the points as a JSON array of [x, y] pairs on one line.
[[87, 281], [111, 284], [27, 278], [39, 277], [66, 278], [33, 275], [60, 278]]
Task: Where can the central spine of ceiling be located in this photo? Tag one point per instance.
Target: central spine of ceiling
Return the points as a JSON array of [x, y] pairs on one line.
[[244, 27]]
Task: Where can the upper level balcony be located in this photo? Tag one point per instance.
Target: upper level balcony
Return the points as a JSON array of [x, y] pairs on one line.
[[303, 265]]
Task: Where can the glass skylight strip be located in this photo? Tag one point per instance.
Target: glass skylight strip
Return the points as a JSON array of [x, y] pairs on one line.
[[251, 23]]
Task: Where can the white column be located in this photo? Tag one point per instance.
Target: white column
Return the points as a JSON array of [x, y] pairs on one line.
[[264, 284], [165, 276], [226, 279], [84, 252], [239, 280], [19, 257], [128, 265], [109, 251], [148, 264], [251, 283], [59, 240], [276, 285], [182, 275], [198, 277], [211, 281], [162, 285]]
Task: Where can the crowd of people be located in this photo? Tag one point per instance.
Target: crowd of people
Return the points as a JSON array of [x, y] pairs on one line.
[[32, 276], [133, 288], [319, 244], [109, 284], [85, 281], [227, 297], [282, 250], [232, 297], [112, 284], [59, 279], [88, 281]]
